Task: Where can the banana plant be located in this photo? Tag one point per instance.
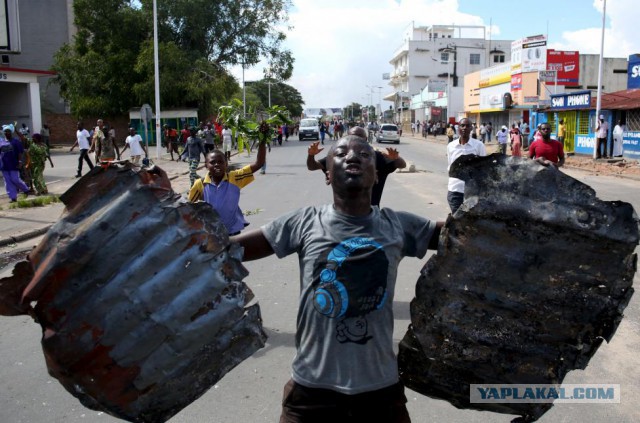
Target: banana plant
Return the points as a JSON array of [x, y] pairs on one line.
[[232, 115]]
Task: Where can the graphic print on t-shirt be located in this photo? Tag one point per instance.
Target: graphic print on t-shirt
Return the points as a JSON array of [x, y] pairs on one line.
[[350, 281]]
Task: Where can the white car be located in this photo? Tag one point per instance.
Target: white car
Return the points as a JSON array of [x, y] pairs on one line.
[[308, 129], [389, 132]]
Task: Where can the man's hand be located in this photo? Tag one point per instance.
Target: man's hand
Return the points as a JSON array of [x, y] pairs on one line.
[[391, 154], [314, 148]]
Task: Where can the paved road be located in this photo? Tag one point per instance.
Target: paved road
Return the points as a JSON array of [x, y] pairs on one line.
[[252, 391]]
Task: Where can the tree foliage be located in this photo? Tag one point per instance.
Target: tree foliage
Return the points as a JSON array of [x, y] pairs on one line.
[[281, 94], [229, 32], [108, 68]]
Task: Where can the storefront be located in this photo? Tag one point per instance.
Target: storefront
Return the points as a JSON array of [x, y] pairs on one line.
[[21, 97]]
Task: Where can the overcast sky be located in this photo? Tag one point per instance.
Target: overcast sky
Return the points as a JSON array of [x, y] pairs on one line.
[[341, 46]]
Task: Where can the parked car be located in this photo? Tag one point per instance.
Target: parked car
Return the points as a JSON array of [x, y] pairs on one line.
[[389, 132], [308, 129]]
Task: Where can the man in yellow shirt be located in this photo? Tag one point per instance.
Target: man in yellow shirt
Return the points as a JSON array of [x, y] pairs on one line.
[[221, 187], [562, 131]]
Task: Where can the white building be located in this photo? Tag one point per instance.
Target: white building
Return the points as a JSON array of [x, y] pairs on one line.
[[426, 80]]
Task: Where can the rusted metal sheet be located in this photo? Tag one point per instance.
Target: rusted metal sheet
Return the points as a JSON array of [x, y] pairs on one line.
[[139, 294], [532, 274]]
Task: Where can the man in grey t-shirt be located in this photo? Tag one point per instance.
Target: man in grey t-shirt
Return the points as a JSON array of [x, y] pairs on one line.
[[345, 367]]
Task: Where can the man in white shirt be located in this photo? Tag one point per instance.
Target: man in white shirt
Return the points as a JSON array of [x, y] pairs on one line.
[[134, 142], [456, 148], [602, 132], [82, 141]]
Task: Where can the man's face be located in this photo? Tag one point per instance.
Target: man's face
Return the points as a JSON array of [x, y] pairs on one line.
[[545, 130], [216, 165], [100, 123], [7, 134], [352, 164], [464, 127]]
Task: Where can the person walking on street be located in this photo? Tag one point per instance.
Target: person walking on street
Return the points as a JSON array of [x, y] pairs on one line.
[[39, 154], [227, 137], [45, 132], [221, 187], [134, 143], [546, 150], [462, 146], [194, 148], [106, 148], [516, 141], [83, 143], [11, 159], [501, 136], [345, 368], [171, 139]]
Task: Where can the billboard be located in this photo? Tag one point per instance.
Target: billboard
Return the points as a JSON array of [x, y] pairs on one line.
[[9, 27], [529, 54], [633, 72], [566, 64], [534, 53]]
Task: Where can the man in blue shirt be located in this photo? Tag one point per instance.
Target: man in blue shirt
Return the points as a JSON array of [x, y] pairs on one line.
[[11, 151]]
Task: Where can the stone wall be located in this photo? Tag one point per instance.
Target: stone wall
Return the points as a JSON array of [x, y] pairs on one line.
[[63, 127]]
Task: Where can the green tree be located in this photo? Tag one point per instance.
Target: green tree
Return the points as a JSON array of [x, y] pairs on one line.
[[281, 94], [229, 32], [108, 68]]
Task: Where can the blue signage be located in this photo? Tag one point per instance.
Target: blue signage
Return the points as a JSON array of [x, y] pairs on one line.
[[633, 72], [631, 145], [578, 100]]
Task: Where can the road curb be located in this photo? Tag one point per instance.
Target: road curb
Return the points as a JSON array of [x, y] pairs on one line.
[[14, 239]]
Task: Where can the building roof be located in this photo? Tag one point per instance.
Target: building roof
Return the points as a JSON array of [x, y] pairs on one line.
[[28, 71], [621, 100]]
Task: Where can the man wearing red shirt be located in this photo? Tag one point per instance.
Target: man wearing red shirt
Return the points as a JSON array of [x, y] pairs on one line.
[[547, 150]]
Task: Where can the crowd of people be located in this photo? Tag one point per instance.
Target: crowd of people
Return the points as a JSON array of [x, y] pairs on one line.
[[23, 158]]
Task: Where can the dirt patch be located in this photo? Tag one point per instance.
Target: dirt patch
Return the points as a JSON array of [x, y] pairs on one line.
[[617, 166]]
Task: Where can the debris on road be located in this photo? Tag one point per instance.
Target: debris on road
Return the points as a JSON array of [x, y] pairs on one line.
[[532, 273], [139, 295]]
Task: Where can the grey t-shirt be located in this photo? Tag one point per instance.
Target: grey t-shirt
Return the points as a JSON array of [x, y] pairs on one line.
[[348, 268], [195, 148]]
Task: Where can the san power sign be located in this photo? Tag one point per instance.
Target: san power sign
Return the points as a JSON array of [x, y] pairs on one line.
[[579, 100], [633, 74]]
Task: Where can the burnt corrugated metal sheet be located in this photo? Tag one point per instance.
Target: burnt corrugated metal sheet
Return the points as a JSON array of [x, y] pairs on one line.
[[139, 294], [532, 274]]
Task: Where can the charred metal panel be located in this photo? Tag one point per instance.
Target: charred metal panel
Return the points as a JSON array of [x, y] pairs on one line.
[[532, 273], [140, 296]]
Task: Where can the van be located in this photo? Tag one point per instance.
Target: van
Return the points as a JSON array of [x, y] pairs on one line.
[[308, 129]]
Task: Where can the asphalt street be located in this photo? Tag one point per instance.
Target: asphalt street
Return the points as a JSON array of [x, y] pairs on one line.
[[252, 392]]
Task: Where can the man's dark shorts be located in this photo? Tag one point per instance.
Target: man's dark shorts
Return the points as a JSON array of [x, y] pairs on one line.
[[310, 405]]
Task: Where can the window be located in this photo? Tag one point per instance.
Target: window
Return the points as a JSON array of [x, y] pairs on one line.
[[474, 59], [633, 120], [444, 56], [582, 128], [498, 58]]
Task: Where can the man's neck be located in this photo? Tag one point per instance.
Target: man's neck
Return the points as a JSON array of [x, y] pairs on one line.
[[357, 204], [463, 140]]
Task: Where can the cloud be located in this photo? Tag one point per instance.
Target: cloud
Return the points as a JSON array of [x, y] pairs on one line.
[[620, 39], [342, 46]]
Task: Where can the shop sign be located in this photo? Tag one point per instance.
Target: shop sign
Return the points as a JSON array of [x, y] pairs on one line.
[[579, 100]]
